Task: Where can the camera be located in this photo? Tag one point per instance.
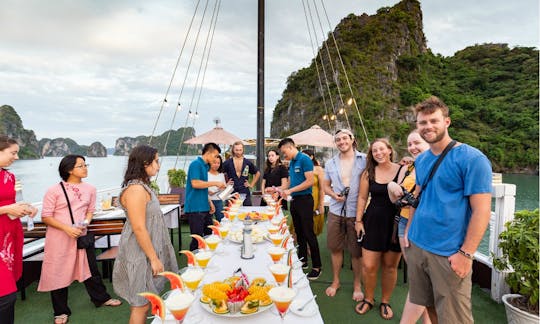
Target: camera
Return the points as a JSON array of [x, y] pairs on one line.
[[407, 199], [344, 192]]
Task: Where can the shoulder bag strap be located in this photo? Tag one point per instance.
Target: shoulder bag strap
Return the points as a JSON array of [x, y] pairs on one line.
[[67, 199], [436, 165]]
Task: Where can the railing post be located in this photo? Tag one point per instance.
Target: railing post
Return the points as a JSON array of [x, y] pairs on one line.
[[505, 205]]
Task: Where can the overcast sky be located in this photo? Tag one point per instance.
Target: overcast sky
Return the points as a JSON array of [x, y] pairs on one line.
[[96, 70]]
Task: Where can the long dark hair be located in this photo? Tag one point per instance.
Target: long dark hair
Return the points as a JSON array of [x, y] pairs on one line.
[[268, 166], [68, 164], [140, 157], [311, 155], [371, 163], [220, 169], [6, 141]]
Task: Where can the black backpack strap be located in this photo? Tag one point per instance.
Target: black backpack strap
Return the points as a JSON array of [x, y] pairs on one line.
[[436, 165], [69, 205]]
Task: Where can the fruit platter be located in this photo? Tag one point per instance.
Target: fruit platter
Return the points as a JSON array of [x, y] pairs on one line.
[[236, 296]]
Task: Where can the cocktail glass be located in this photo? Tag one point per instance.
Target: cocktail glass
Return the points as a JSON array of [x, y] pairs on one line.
[[279, 271], [202, 257], [276, 238], [178, 303], [192, 276], [282, 298], [224, 229], [276, 253], [212, 241], [272, 229], [241, 198]]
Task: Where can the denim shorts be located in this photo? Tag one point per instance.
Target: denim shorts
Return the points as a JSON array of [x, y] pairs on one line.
[[401, 226]]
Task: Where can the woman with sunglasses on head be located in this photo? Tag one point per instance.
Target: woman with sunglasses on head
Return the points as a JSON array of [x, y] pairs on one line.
[[376, 222], [145, 248], [68, 207], [11, 232]]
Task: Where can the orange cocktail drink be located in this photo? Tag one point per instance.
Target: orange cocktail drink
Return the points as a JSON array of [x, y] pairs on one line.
[[276, 238], [212, 241], [202, 257], [282, 298], [276, 253], [280, 272], [178, 304], [272, 229], [224, 230], [192, 276]]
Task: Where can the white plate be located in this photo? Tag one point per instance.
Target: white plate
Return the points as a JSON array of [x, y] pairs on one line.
[[308, 311]]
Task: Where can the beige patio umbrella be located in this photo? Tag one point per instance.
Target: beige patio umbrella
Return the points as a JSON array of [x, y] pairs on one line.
[[216, 135], [314, 136]]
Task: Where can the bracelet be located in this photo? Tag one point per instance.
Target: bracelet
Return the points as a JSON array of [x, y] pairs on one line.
[[467, 255], [358, 221]]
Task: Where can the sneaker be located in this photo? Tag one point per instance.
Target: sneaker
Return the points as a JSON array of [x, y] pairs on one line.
[[314, 274], [305, 266]]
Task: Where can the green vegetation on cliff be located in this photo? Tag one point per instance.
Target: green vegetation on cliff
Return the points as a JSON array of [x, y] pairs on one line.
[[492, 90], [11, 125]]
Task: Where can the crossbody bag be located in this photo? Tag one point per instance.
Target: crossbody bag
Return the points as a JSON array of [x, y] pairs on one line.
[[83, 241]]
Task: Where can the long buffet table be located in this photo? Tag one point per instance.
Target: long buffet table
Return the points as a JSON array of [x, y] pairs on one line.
[[227, 259]]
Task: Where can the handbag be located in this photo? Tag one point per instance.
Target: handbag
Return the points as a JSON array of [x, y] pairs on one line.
[[83, 241]]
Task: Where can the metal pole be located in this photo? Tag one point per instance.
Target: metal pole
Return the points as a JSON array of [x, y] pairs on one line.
[[260, 91]]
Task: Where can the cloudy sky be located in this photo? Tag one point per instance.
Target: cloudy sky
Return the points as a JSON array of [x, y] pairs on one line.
[[99, 69]]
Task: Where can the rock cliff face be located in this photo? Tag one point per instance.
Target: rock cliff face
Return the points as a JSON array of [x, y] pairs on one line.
[[60, 147], [124, 145], [11, 125], [96, 149]]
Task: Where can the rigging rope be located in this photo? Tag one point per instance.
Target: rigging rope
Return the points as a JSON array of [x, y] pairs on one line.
[[346, 76], [185, 78], [174, 73], [322, 64], [336, 78], [211, 29]]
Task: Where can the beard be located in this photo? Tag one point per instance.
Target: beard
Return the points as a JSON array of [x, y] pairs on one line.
[[438, 137]]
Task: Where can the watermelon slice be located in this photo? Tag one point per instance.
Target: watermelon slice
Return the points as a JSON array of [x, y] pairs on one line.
[[174, 279], [289, 280], [216, 223], [289, 258], [215, 230], [190, 257], [284, 242], [158, 306], [201, 241]]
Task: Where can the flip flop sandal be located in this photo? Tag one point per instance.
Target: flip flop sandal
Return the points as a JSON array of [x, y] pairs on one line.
[[383, 311], [61, 319], [360, 306]]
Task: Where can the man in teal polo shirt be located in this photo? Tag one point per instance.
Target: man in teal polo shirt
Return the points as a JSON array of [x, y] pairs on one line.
[[301, 182], [198, 208]]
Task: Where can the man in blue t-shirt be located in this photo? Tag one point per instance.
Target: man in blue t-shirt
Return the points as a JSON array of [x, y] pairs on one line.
[[197, 207], [300, 184], [238, 169], [446, 228]]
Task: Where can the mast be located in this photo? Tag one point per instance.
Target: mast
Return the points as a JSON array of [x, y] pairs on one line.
[[260, 90]]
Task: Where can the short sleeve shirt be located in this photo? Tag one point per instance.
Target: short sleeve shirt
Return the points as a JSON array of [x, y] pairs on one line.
[[441, 220], [331, 173], [274, 176], [299, 165], [197, 199]]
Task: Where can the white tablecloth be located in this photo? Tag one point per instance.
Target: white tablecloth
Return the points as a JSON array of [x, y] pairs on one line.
[[227, 260]]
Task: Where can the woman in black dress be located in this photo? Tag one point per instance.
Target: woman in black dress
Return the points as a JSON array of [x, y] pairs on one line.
[[376, 224], [276, 176]]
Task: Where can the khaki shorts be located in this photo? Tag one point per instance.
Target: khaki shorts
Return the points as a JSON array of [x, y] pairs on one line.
[[432, 282], [341, 234]]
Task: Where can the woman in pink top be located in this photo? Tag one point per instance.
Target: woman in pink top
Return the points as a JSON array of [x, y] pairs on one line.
[[11, 233], [63, 263]]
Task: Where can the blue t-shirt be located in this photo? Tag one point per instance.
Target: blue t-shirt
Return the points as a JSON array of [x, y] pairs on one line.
[[247, 169], [331, 172], [442, 218], [197, 199], [300, 164]]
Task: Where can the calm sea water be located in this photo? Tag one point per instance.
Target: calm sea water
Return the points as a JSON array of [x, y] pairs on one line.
[[38, 175]]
